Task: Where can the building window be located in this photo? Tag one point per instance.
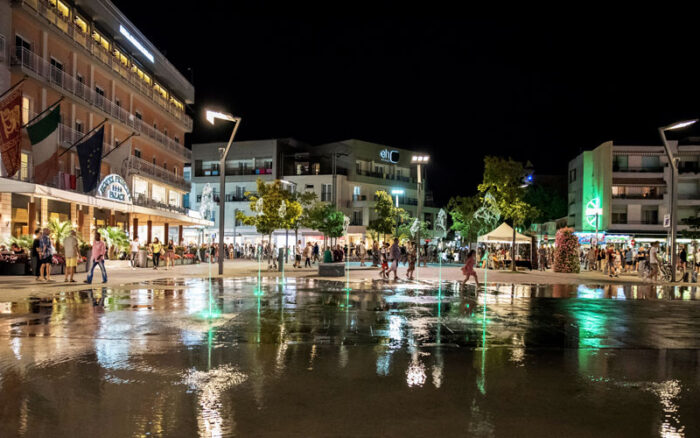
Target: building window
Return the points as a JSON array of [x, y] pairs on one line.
[[140, 187], [79, 126], [158, 193], [24, 167], [117, 102], [174, 198], [165, 165], [177, 139], [23, 46], [138, 115], [175, 170], [137, 153], [572, 175], [116, 142], [326, 192], [26, 109], [56, 71], [154, 160]]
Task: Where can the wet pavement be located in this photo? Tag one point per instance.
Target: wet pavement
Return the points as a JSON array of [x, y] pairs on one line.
[[310, 359]]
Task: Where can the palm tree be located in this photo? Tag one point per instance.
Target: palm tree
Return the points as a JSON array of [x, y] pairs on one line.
[[59, 231], [115, 238]]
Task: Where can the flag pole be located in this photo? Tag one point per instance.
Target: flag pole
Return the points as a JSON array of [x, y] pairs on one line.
[[49, 108], [133, 134], [13, 87], [83, 138]]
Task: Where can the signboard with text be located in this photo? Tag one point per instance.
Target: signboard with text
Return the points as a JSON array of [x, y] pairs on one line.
[[114, 188]]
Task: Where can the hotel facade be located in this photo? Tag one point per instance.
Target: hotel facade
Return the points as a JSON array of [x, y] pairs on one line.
[[105, 73], [361, 169]]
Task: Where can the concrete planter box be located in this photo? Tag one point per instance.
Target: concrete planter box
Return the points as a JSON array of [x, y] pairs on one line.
[[81, 268], [331, 269], [14, 268], [57, 269]]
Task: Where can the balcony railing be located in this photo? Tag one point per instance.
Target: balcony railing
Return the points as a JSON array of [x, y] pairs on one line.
[[638, 196], [386, 176], [142, 167], [44, 9], [145, 201], [30, 62], [656, 169]]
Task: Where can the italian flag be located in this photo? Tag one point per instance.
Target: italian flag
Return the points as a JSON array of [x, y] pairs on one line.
[[44, 138]]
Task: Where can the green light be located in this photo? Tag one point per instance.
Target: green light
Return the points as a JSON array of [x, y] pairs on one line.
[[594, 211]]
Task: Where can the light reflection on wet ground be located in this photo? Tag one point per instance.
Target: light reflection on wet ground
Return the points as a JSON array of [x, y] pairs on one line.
[[309, 359]]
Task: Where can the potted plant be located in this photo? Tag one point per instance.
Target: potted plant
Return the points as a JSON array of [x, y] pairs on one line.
[[116, 239], [85, 250]]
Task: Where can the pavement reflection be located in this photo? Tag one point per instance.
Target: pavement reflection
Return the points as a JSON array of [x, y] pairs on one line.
[[306, 358]]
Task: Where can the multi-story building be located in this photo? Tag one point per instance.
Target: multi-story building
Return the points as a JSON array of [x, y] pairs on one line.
[[346, 173], [103, 70], [626, 188]]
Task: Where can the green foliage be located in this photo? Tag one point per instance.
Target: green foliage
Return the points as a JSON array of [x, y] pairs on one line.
[[503, 180], [307, 200], [325, 218], [268, 219], [25, 242], [693, 231], [386, 213], [58, 231], [115, 238], [550, 204]]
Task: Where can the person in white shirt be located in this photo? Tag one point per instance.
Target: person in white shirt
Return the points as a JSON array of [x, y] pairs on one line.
[[134, 249], [654, 260], [297, 255]]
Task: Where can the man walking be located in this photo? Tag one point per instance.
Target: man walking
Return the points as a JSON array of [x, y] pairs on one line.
[[395, 257], [70, 248], [134, 248], [654, 260], [361, 252]]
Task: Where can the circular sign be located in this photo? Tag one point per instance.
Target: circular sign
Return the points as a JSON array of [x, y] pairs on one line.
[[633, 242], [114, 188], [593, 211]]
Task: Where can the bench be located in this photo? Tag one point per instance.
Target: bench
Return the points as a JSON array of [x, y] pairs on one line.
[[331, 269]]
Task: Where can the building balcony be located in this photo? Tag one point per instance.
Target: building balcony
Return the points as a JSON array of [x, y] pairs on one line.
[[379, 175], [38, 68], [145, 201], [137, 166], [43, 9], [3, 53], [649, 169], [639, 196]]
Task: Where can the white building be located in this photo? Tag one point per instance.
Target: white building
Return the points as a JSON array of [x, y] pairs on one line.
[[361, 169]]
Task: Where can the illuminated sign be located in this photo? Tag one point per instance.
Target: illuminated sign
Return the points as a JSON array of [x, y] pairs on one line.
[[136, 43], [114, 188], [389, 156], [593, 212]]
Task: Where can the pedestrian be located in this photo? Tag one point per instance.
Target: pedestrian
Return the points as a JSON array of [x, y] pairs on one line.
[[468, 269], [682, 260], [36, 244], [134, 250], [375, 254], [156, 249], [628, 259], [411, 255], [361, 252], [316, 252], [308, 250], [610, 255], [169, 254], [98, 259], [71, 252], [395, 258], [542, 262], [384, 257], [46, 251], [654, 260]]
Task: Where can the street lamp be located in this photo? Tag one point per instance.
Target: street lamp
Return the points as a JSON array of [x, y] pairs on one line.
[[286, 230], [211, 118], [672, 154], [419, 160], [396, 193]]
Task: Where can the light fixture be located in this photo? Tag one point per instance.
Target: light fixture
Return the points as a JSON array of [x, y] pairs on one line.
[[213, 115], [397, 191], [680, 125], [420, 159]]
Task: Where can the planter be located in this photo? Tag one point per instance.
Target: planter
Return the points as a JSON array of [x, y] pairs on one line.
[[142, 258], [14, 269], [57, 269], [82, 267]]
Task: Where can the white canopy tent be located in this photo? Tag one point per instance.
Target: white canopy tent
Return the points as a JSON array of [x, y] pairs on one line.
[[504, 234]]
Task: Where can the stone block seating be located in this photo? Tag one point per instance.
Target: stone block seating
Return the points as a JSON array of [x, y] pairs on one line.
[[331, 269]]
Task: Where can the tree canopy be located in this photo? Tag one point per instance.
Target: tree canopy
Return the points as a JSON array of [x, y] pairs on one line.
[[266, 216]]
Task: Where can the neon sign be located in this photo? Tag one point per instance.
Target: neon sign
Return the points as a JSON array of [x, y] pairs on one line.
[[389, 156], [136, 43], [593, 211]]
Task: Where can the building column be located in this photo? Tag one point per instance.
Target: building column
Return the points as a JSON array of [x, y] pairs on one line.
[[179, 235], [112, 218], [149, 229], [31, 216], [166, 230], [44, 212], [135, 233], [5, 215], [81, 223], [73, 214]]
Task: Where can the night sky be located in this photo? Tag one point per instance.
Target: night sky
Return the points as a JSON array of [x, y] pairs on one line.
[[459, 88]]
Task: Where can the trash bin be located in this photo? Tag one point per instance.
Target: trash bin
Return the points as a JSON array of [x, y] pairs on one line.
[[327, 256], [142, 258]]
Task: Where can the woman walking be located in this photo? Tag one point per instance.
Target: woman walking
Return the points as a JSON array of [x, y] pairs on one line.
[[156, 249], [468, 269], [411, 254], [98, 259], [169, 254]]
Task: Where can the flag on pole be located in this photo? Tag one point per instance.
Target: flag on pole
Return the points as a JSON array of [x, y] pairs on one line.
[[90, 159], [10, 132], [118, 159], [44, 138]]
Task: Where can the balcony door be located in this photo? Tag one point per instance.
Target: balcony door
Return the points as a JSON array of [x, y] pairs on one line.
[[56, 72]]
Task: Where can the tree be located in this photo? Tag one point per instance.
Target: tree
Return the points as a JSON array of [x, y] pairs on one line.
[[386, 214], [306, 200], [693, 231], [550, 204], [115, 238], [58, 231], [503, 179], [266, 205]]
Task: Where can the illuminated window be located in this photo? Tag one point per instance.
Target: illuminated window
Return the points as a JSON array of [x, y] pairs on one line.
[[121, 58], [140, 186], [80, 24], [158, 193], [26, 105], [174, 198], [24, 167], [177, 103], [160, 90], [62, 7], [100, 40]]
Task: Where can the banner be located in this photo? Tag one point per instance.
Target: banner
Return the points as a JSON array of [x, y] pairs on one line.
[[10, 132]]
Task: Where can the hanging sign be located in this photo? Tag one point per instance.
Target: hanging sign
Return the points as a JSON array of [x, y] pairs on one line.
[[114, 188]]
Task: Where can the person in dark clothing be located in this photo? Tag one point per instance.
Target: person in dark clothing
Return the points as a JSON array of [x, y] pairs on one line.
[[35, 253]]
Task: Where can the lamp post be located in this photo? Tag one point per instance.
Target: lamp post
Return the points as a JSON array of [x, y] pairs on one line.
[[419, 160], [286, 230], [211, 118], [672, 155], [396, 193]]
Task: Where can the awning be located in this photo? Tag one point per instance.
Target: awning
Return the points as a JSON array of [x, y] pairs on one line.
[[504, 234]]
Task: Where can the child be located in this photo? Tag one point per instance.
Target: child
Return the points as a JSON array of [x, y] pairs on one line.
[[468, 269], [384, 256]]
